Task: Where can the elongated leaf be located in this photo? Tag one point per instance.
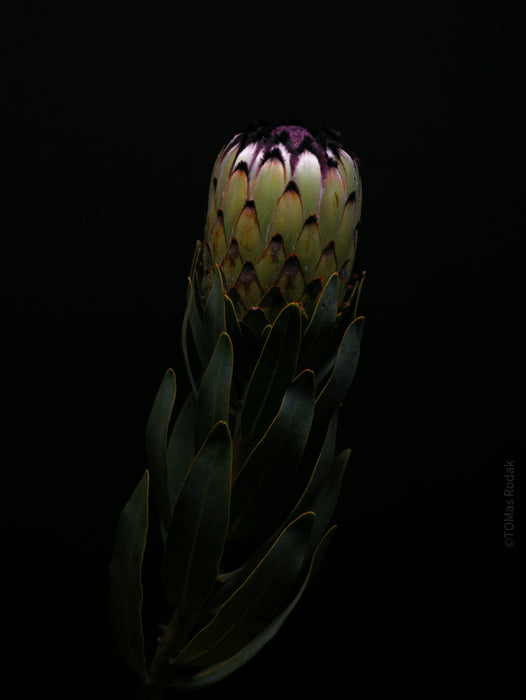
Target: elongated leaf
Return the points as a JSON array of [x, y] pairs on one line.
[[252, 607], [232, 323], [213, 399], [230, 581], [265, 332], [323, 318], [181, 448], [321, 470], [214, 315], [325, 500], [184, 336], [272, 464], [343, 372], [199, 524], [325, 361], [350, 310], [218, 671], [125, 585], [273, 372], [156, 445], [201, 338]]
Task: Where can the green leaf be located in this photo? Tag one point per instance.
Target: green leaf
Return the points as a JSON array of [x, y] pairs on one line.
[[125, 585], [199, 524], [181, 448], [229, 582], [325, 361], [199, 333], [323, 319], [255, 603], [273, 372], [184, 335], [269, 469], [213, 400], [325, 500], [321, 469], [232, 323], [156, 445], [343, 372], [214, 314], [350, 309], [218, 671]]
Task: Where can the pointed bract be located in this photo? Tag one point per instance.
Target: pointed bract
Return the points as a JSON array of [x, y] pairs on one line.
[[288, 217], [235, 197], [247, 233], [307, 176], [268, 188]]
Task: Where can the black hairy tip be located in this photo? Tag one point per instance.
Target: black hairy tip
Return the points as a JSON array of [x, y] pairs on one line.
[[307, 145], [250, 204], [292, 265], [332, 163], [283, 137], [242, 166], [292, 187], [273, 153], [312, 219], [352, 196]]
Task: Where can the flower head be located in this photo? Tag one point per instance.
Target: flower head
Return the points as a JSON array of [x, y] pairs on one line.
[[283, 211]]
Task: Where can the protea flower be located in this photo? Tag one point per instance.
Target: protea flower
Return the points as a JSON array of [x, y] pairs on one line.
[[245, 473], [283, 212]]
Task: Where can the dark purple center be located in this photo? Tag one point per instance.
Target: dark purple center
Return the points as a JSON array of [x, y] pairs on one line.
[[295, 135], [296, 139]]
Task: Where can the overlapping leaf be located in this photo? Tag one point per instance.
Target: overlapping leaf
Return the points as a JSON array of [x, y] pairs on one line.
[[214, 312], [213, 400], [222, 669], [231, 320], [273, 462], [181, 448], [184, 335], [201, 338], [255, 603], [125, 584], [318, 331], [321, 469], [272, 375], [199, 524], [156, 445], [343, 371], [325, 500]]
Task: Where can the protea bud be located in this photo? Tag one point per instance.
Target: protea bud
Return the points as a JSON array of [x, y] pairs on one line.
[[283, 212], [245, 474]]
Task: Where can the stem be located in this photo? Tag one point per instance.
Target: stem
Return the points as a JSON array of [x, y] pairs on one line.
[[169, 645], [154, 689]]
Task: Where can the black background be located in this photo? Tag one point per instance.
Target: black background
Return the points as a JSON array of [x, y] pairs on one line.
[[116, 113]]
